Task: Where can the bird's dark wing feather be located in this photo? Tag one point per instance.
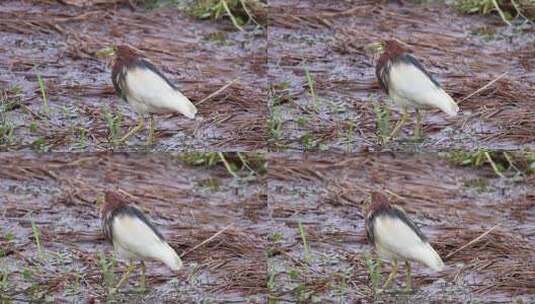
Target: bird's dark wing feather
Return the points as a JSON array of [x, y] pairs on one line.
[[381, 71], [144, 63], [398, 212], [407, 58], [369, 228], [128, 210], [118, 80], [106, 226]]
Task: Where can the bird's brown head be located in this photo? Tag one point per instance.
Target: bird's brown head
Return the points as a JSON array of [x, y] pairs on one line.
[[112, 201], [393, 47], [378, 200], [125, 53], [386, 48]]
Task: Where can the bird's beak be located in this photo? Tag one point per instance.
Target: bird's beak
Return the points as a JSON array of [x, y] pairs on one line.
[[366, 203], [105, 52], [374, 50], [99, 201]]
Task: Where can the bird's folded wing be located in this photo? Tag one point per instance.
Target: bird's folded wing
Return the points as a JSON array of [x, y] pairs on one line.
[[410, 82], [397, 237], [134, 235], [147, 86]]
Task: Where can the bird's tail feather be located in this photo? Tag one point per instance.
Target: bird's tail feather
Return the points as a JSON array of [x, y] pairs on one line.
[[444, 102], [184, 105], [431, 258], [169, 257]]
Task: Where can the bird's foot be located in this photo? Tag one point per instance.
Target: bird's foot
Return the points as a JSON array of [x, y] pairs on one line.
[[408, 287], [143, 280], [150, 138], [123, 279], [392, 135], [134, 130], [417, 138], [418, 134], [142, 289], [384, 140], [125, 137], [399, 124], [392, 275]]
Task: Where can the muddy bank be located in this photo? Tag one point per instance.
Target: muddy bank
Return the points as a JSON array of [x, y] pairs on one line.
[[53, 248], [325, 40], [80, 111], [453, 205]]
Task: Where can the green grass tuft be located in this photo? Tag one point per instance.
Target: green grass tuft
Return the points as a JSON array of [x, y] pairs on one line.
[[308, 142], [113, 122], [42, 88], [37, 237], [508, 10], [4, 285], [9, 100], [271, 285], [311, 83], [306, 248], [382, 119], [275, 125], [154, 4], [516, 163], [107, 268], [239, 12], [240, 165], [204, 159], [374, 272]]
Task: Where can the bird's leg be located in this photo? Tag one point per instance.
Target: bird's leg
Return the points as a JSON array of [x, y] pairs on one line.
[[133, 130], [418, 127], [392, 274], [125, 276], [151, 130], [143, 281], [400, 123], [409, 277]]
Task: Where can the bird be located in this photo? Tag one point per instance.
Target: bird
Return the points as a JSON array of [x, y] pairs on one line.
[[146, 89], [133, 236], [396, 238], [409, 85]]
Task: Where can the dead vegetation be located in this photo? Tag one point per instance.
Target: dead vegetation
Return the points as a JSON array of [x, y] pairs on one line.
[[61, 48], [240, 12], [478, 222], [53, 249], [508, 10], [327, 40]]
